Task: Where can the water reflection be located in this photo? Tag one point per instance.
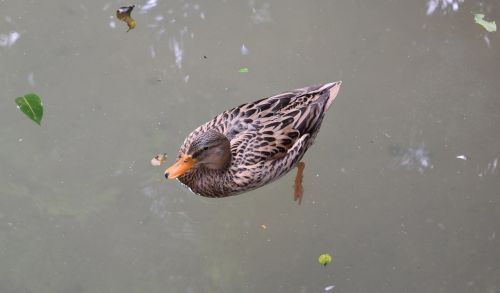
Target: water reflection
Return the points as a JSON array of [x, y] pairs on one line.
[[489, 169], [8, 40], [81, 210], [411, 158], [261, 14], [172, 21], [447, 6], [165, 208], [174, 25], [150, 4], [444, 6], [244, 50], [177, 47]]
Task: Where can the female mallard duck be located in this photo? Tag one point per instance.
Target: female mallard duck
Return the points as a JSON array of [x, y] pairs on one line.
[[253, 144]]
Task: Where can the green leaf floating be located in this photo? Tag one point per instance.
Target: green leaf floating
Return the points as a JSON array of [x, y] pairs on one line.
[[31, 105], [325, 259], [243, 70], [490, 26]]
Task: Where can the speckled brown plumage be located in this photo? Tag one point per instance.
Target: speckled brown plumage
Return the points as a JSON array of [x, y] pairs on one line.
[[267, 138]]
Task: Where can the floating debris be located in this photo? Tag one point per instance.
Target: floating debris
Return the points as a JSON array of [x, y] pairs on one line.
[[263, 226], [159, 159], [243, 70], [462, 157], [490, 26], [123, 14], [328, 288], [325, 259]]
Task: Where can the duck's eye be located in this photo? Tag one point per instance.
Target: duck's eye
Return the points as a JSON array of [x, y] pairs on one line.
[[205, 148]]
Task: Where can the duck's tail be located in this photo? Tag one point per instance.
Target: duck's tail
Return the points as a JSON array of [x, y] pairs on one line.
[[328, 92]]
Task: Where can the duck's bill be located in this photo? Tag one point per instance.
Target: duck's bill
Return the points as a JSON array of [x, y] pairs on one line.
[[180, 167]]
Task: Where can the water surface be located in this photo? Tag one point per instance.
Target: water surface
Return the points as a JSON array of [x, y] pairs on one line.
[[401, 187]]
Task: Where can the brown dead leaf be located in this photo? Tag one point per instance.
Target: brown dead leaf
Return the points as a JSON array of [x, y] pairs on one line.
[[159, 159]]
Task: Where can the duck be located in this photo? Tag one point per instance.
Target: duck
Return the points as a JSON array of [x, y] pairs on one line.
[[253, 144]]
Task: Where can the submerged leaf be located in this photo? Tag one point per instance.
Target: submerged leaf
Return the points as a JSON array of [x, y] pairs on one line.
[[243, 70], [31, 105], [123, 14], [490, 26]]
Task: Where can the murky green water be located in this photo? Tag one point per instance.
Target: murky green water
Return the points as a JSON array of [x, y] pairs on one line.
[[401, 188]]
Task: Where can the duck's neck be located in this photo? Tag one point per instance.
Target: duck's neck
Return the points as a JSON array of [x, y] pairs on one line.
[[209, 182]]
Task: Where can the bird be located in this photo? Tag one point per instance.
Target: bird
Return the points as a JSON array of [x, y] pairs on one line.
[[251, 145]]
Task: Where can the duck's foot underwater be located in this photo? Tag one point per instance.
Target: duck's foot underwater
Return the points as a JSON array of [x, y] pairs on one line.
[[298, 189]]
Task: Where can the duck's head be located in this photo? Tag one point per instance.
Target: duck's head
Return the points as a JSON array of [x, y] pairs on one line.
[[210, 149]]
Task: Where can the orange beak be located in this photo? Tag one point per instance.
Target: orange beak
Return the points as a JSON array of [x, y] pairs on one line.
[[180, 167]]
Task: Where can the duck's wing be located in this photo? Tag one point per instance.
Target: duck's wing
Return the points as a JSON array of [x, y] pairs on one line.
[[276, 123]]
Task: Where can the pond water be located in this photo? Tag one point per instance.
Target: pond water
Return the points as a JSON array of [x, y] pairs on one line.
[[402, 186]]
